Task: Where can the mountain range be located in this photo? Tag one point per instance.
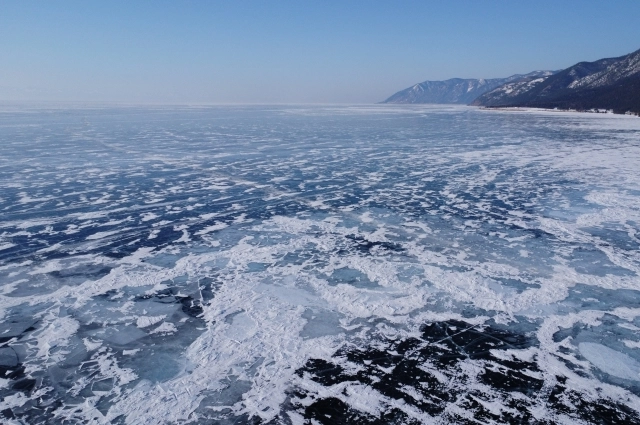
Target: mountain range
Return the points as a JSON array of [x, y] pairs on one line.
[[611, 83], [456, 90]]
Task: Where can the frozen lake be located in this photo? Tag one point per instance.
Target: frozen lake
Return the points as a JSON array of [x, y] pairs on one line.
[[318, 265]]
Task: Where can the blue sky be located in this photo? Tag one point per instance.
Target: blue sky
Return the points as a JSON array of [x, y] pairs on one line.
[[291, 51]]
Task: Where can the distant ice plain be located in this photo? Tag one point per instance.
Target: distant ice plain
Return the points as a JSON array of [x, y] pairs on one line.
[[336, 264]]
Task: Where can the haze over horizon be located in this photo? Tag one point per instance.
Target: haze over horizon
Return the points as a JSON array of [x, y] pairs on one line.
[[288, 52]]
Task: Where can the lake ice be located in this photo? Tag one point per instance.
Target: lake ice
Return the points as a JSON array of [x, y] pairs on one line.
[[305, 265]]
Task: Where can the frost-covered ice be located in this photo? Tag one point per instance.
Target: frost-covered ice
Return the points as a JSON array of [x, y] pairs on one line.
[[305, 265]]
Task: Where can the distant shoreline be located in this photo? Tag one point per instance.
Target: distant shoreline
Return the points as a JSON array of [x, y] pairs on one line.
[[590, 111]]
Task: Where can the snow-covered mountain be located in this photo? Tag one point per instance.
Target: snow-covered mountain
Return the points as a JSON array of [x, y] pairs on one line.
[[612, 83], [455, 90]]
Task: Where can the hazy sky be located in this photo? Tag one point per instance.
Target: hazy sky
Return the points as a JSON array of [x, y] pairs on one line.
[[291, 51]]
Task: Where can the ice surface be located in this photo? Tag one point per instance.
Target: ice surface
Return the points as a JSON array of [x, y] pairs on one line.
[[611, 361], [364, 264], [8, 357]]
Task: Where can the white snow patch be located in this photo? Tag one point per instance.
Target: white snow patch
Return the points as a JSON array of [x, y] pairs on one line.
[[165, 328], [144, 321], [212, 228]]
